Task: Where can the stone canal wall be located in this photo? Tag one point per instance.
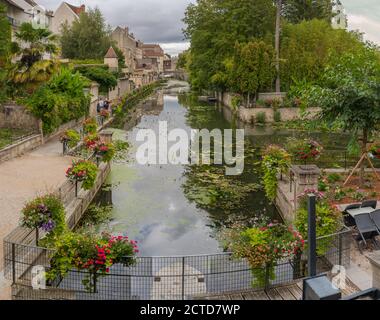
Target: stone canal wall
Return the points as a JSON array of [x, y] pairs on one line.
[[78, 205], [289, 189], [248, 115], [20, 147], [13, 116]]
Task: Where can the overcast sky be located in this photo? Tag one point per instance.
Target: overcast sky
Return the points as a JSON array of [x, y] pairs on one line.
[[159, 21]]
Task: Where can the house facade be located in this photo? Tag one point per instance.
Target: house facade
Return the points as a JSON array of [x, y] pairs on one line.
[[155, 51], [65, 13], [130, 47], [20, 11], [339, 21]]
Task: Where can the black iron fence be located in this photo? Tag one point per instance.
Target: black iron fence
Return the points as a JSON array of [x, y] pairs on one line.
[[341, 159], [160, 278]]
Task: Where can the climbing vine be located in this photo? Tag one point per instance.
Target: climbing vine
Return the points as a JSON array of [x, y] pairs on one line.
[[275, 161]]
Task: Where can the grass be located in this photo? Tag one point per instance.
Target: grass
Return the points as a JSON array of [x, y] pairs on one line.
[[8, 135]]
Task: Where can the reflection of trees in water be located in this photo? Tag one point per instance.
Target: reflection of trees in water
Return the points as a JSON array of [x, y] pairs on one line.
[[202, 115], [154, 105], [229, 197], [104, 196]]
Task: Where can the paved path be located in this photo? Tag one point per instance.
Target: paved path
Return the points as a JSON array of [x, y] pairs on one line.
[[22, 179]]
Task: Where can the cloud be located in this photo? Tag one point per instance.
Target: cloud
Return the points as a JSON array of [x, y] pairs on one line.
[[158, 21], [364, 15], [175, 48], [364, 24]]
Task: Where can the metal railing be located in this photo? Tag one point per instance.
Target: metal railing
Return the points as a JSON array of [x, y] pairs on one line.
[[160, 278]]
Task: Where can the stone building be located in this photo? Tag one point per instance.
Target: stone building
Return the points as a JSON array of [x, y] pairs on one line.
[[20, 11], [130, 47], [65, 13], [155, 51], [111, 59], [167, 63], [339, 20]]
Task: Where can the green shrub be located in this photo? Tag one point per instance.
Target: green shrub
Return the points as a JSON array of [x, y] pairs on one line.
[[106, 79], [277, 116], [275, 161], [81, 62], [83, 171], [90, 126], [359, 195], [322, 186], [60, 100], [328, 223], [96, 215], [261, 118], [334, 177], [72, 137], [236, 101]]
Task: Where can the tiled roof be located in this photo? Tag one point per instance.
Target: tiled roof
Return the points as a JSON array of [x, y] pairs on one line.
[[111, 53], [14, 4], [31, 2], [77, 10], [152, 53]]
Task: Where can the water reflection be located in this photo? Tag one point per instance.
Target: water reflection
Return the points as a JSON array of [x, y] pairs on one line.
[[149, 202]]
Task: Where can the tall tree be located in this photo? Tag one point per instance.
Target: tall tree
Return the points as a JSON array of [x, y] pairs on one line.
[[34, 52], [5, 44], [214, 26], [87, 38], [252, 68], [296, 11], [350, 91], [305, 49]]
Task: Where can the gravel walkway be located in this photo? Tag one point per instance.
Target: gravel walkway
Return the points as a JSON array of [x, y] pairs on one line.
[[22, 179]]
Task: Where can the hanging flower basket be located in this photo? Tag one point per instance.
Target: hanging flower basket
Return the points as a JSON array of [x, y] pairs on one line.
[[46, 213], [104, 113], [83, 171], [90, 126], [91, 141], [70, 137], [105, 150], [93, 255], [304, 150]]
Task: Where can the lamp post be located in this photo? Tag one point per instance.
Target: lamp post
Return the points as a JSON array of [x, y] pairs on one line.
[[312, 235], [277, 45]]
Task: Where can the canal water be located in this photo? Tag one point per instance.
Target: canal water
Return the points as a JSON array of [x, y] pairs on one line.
[[156, 205]]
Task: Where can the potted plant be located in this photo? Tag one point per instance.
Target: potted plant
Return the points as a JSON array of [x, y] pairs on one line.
[[46, 213], [304, 150], [91, 140], [69, 138], [83, 171], [90, 126], [105, 150], [264, 246], [93, 255], [104, 113]]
